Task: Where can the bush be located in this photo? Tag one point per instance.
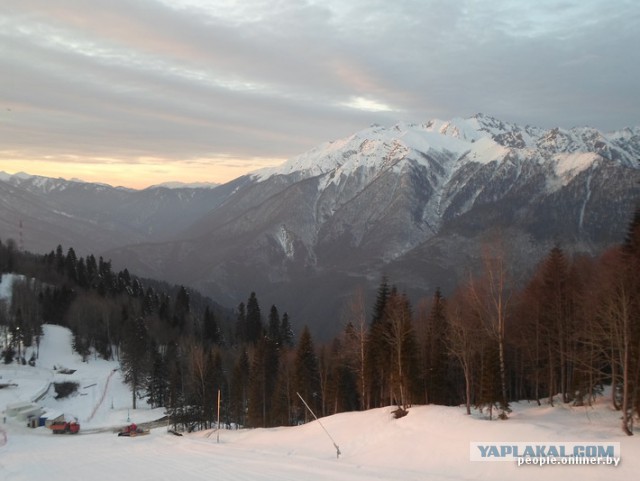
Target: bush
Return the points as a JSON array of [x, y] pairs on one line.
[[65, 389], [400, 413]]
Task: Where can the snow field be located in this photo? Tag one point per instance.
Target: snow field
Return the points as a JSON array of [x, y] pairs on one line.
[[430, 443]]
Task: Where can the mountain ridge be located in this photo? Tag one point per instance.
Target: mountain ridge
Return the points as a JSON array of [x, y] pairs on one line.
[[412, 201]]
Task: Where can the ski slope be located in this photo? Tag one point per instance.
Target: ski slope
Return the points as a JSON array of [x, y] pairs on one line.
[[430, 443]]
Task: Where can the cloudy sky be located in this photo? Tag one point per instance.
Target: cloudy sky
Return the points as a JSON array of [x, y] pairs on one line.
[[138, 92]]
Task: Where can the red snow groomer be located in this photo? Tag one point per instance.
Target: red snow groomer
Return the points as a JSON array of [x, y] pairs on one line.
[[132, 430], [65, 427]]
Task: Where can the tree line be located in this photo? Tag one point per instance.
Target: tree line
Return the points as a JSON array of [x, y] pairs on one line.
[[559, 336]]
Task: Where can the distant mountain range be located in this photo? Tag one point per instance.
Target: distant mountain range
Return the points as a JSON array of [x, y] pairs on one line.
[[415, 202]]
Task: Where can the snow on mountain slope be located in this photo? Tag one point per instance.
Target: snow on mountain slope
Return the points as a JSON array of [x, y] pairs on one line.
[[480, 139], [374, 149]]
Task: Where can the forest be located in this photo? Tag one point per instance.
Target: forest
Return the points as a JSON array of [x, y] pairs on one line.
[[561, 335]]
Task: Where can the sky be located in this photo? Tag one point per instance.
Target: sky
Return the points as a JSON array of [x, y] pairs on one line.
[[140, 92]]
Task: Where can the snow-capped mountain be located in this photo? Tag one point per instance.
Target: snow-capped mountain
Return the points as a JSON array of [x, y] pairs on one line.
[[413, 201]]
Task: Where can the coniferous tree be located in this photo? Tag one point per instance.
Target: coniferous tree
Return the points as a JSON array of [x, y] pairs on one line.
[[489, 394], [400, 340], [306, 376], [281, 405], [176, 403], [81, 273], [263, 376], [105, 276], [254, 320], [241, 323], [273, 329], [377, 350], [435, 356], [240, 389], [135, 356], [556, 311], [158, 382], [286, 332], [340, 387], [59, 260], [210, 329], [181, 309], [92, 271], [220, 385], [71, 262], [530, 340]]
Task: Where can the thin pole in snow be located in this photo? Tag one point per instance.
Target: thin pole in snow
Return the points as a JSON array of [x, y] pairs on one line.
[[325, 429], [218, 415]]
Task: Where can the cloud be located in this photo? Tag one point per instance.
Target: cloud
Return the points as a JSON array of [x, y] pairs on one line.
[[186, 79]]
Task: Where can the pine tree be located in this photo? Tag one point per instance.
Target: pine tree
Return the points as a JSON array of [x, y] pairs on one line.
[[71, 262], [273, 330], [59, 260], [220, 385], [264, 371], [306, 376], [555, 315], [281, 403], [286, 332], [241, 323], [254, 320], [210, 329], [378, 353], [240, 389], [436, 357], [181, 309], [135, 356], [157, 384], [489, 394], [176, 388], [92, 271]]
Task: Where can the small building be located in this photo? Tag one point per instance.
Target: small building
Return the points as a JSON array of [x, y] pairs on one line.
[[14, 408], [49, 417], [29, 411]]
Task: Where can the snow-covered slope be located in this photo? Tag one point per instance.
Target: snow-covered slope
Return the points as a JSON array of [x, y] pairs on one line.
[[102, 400], [480, 139], [431, 442]]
